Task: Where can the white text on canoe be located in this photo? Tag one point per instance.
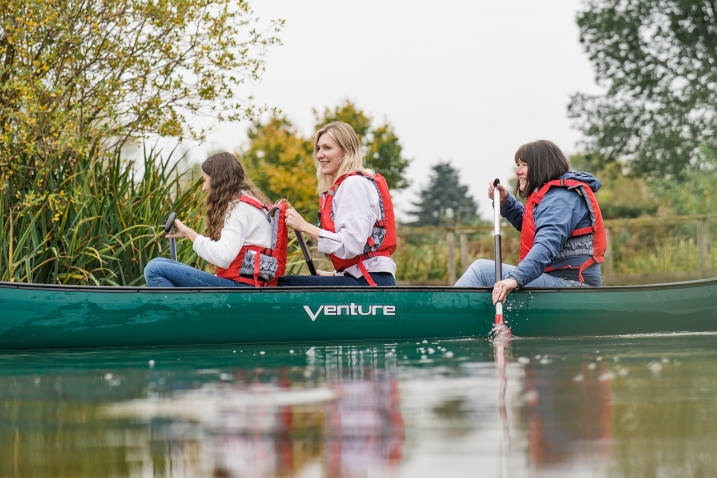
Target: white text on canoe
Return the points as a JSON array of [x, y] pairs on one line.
[[351, 309]]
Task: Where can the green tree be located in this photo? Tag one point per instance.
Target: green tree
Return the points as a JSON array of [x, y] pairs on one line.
[[657, 60], [279, 161], [621, 195], [79, 79], [445, 201], [84, 75], [380, 145]]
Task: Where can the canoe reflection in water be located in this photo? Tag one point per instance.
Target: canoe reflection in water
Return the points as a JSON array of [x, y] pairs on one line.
[[351, 428]]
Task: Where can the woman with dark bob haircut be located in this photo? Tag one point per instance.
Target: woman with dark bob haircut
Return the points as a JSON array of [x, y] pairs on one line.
[[562, 236]]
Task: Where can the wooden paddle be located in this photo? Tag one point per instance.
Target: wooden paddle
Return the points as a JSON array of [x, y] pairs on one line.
[[169, 227], [305, 250], [499, 328]]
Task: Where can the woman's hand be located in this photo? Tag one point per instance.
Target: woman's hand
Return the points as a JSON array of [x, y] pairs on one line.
[[502, 288], [503, 192], [295, 221], [181, 231]]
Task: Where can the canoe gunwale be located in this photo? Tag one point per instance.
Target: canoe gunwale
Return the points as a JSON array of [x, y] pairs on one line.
[[246, 290]]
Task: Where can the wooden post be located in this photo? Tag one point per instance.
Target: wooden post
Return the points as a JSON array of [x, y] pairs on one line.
[[464, 252], [702, 248], [451, 256], [608, 253]]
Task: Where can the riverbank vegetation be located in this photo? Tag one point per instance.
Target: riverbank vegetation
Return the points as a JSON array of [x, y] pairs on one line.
[[81, 80]]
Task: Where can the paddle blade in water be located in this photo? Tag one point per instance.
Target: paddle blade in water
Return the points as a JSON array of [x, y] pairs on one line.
[[500, 331]]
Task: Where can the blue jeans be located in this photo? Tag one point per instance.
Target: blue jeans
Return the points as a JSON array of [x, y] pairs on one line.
[[482, 274], [382, 279], [162, 272]]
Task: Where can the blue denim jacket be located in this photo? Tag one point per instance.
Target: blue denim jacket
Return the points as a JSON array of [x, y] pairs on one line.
[[559, 213]]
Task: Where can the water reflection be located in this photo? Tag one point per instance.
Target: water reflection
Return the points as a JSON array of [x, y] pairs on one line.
[[640, 406]]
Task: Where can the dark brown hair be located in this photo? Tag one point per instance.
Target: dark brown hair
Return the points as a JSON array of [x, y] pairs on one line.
[[227, 181], [545, 163]]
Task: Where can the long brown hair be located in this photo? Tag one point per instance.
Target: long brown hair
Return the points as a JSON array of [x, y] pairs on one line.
[[545, 162], [227, 181]]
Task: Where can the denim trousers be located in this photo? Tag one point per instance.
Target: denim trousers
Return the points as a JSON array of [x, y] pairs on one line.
[[482, 274], [162, 272], [382, 279]]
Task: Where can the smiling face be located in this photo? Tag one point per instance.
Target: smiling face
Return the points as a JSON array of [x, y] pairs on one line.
[[207, 185], [329, 155], [522, 173]]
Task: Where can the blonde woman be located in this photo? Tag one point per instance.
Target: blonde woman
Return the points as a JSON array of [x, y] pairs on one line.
[[357, 228]]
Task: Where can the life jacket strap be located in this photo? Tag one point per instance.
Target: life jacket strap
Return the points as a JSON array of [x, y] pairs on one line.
[[366, 275], [582, 231], [581, 268]]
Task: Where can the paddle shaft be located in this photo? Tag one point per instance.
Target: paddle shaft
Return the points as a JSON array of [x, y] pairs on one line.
[[305, 251], [498, 252], [173, 247], [169, 228]]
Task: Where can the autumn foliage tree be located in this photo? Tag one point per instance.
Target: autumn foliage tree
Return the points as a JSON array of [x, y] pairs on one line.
[[279, 158], [381, 147]]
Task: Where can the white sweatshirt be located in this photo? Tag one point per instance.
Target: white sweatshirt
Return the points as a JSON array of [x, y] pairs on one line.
[[356, 209], [245, 224]]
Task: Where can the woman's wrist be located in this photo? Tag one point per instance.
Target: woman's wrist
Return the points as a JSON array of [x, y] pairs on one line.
[[311, 230]]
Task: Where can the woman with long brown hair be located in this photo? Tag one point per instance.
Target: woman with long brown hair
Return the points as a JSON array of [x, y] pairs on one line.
[[236, 225], [562, 235]]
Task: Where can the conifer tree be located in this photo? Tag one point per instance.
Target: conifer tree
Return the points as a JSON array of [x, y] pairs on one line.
[[445, 201]]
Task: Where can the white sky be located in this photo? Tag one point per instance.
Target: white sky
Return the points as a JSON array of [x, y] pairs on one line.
[[464, 81]]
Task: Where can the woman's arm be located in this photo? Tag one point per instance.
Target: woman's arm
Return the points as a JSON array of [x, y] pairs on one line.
[[221, 253], [512, 210], [356, 206], [555, 218], [353, 219], [296, 221]]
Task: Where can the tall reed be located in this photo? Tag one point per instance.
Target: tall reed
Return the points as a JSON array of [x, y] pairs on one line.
[[98, 225]]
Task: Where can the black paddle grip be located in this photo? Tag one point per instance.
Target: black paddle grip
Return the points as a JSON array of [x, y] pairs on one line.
[[170, 222]]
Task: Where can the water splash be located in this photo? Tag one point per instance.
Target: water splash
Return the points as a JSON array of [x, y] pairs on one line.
[[500, 332]]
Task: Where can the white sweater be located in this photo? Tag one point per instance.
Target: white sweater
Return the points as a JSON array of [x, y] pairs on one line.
[[356, 209], [245, 224]]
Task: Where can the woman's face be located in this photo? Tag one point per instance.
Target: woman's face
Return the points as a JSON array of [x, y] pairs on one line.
[[522, 173], [207, 185], [329, 154]]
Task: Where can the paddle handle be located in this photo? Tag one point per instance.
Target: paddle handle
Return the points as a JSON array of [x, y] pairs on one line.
[[497, 247], [305, 251]]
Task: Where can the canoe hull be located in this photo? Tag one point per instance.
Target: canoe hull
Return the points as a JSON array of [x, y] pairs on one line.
[[59, 317]]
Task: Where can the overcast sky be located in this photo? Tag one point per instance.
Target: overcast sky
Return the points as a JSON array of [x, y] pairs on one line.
[[466, 81]]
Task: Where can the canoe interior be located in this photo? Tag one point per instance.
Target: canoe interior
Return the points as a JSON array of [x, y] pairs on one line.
[[57, 317]]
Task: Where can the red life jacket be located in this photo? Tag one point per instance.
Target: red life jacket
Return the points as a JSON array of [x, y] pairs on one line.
[[260, 266], [596, 231], [381, 242]]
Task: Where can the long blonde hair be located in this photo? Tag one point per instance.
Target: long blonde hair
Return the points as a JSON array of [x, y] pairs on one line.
[[349, 143]]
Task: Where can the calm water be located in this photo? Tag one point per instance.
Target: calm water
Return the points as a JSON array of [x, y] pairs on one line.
[[617, 406]]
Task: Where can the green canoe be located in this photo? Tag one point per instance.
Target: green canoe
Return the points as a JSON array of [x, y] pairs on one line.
[[57, 317]]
